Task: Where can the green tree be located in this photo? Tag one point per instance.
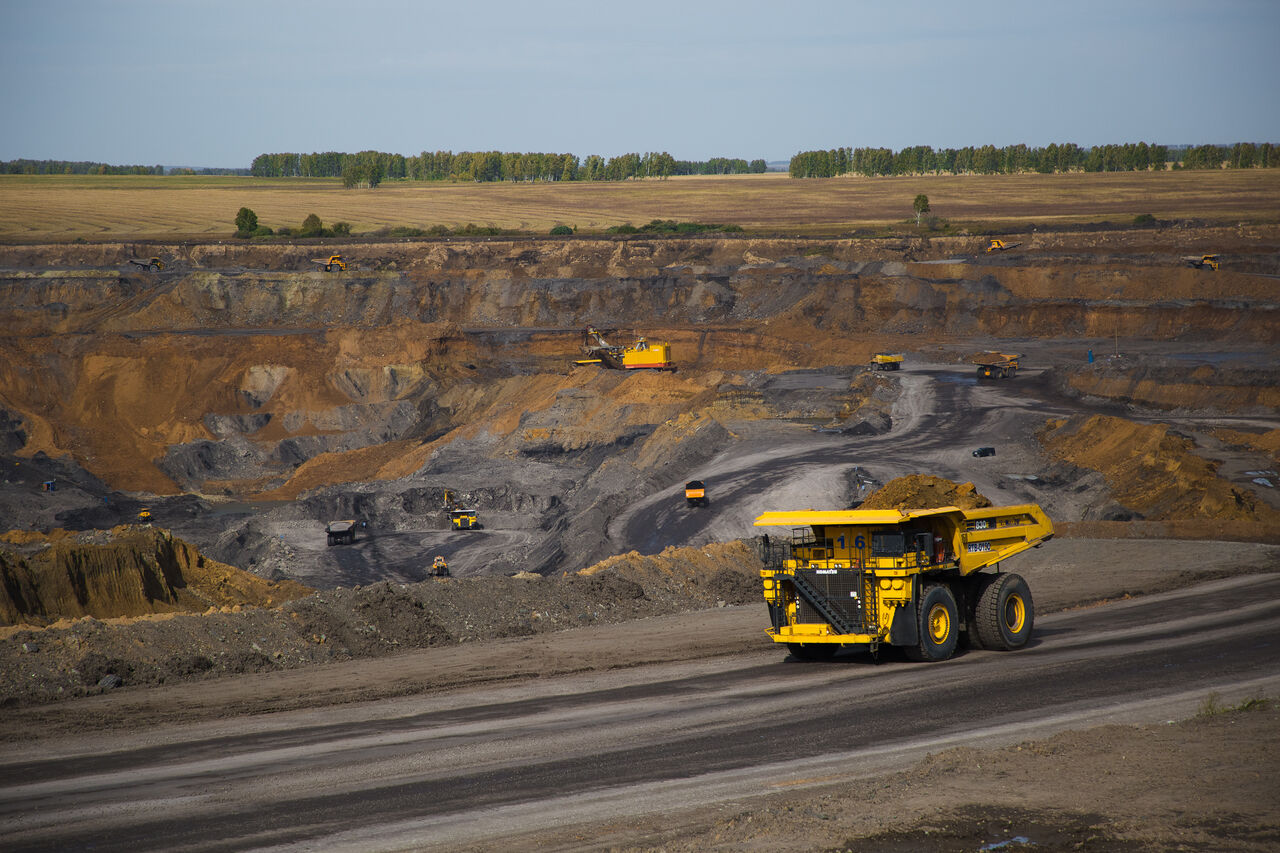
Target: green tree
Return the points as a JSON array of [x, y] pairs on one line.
[[246, 222], [311, 227], [920, 206]]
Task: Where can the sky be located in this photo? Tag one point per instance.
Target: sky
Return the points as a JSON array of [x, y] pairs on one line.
[[214, 84]]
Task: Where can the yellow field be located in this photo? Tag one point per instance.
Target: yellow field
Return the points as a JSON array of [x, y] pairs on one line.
[[61, 208]]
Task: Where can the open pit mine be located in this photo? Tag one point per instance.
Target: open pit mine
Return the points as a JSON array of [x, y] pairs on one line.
[[187, 440]]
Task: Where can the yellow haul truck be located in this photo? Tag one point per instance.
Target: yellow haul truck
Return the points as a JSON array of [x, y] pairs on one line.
[[909, 578], [887, 361]]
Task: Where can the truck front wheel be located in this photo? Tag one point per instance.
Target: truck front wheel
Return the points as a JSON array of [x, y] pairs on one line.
[[939, 625], [1004, 613]]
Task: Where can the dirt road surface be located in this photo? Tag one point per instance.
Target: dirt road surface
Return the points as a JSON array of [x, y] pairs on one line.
[[704, 722]]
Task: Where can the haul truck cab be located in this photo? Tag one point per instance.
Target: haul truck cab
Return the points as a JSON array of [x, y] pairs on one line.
[[909, 578]]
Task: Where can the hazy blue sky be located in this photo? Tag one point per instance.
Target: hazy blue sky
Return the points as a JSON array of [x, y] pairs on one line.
[[189, 82]]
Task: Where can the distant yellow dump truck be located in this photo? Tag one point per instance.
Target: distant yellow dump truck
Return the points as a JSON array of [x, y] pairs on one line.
[[464, 519], [909, 578], [887, 361], [997, 365]]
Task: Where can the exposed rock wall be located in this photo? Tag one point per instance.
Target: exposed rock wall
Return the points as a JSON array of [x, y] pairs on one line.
[[140, 571], [239, 363]]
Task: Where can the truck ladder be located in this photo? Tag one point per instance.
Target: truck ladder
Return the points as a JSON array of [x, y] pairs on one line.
[[818, 601]]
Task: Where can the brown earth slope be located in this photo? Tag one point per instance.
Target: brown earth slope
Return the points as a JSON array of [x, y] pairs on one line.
[[140, 570], [1152, 470], [239, 363]]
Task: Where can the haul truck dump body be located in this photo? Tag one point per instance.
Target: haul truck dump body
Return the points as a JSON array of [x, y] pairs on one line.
[[910, 578]]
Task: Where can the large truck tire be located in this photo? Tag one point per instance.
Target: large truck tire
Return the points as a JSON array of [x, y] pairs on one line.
[[1005, 613], [939, 623], [976, 585]]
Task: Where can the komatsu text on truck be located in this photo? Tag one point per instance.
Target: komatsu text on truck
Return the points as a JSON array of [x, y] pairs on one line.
[[909, 578]]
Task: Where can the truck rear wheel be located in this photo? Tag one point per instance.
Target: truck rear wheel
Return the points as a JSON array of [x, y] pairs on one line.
[[1004, 613], [939, 625], [813, 651]]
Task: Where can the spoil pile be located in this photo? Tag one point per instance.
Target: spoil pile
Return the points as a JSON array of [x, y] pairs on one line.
[[925, 491], [1152, 470], [75, 657]]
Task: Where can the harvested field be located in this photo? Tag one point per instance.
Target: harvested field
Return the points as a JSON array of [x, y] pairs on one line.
[[64, 208]]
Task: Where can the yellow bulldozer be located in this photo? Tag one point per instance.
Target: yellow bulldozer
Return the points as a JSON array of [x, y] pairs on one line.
[[641, 355], [909, 578]]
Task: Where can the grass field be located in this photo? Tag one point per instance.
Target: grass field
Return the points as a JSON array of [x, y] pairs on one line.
[[61, 208]]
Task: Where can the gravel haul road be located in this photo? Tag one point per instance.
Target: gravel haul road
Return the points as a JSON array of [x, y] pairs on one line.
[[517, 764]]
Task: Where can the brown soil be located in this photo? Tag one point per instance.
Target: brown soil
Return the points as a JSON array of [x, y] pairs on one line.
[[923, 491], [1153, 470], [129, 571]]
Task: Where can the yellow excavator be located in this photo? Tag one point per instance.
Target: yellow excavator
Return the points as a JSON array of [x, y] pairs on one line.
[[641, 355], [1000, 246]]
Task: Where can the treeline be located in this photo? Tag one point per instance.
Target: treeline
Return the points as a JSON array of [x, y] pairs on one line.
[[69, 167], [65, 167], [372, 167], [1014, 159]]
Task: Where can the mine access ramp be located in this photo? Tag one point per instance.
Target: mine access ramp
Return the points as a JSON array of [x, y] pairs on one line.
[[911, 578]]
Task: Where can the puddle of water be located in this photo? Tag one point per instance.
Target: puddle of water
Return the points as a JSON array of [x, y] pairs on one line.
[[1000, 845]]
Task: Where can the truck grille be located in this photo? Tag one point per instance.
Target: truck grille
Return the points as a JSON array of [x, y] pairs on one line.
[[839, 589]]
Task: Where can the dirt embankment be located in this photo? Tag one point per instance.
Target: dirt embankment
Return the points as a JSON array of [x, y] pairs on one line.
[[1134, 380], [130, 571], [1152, 471], [71, 657], [925, 491]]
